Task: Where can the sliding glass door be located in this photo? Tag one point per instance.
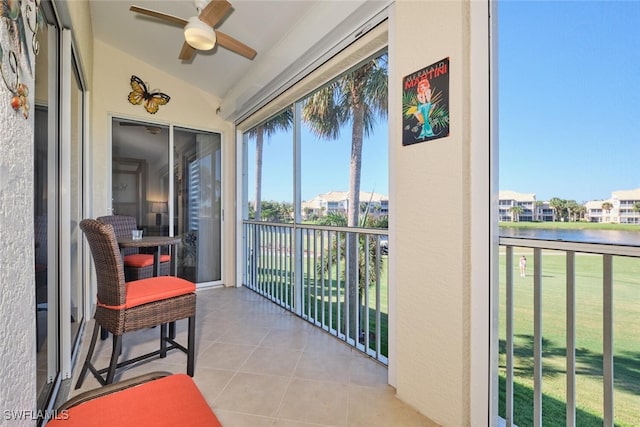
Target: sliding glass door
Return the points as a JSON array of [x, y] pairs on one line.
[[197, 204], [58, 191], [183, 200]]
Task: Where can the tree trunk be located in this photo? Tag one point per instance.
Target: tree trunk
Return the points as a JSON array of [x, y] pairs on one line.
[[357, 136], [259, 144]]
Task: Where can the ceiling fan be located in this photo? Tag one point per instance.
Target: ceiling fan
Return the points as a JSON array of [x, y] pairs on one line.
[[198, 30]]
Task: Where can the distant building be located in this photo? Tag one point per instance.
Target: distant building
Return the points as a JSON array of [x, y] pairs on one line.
[[338, 202], [509, 199], [619, 209]]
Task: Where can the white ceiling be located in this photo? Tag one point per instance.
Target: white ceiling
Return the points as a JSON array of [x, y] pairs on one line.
[[260, 24]]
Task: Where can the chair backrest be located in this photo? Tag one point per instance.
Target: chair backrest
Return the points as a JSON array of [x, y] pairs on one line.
[[107, 260], [122, 226]]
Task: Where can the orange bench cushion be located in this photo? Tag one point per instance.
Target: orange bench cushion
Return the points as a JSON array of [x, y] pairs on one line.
[[156, 288], [143, 260], [170, 401]]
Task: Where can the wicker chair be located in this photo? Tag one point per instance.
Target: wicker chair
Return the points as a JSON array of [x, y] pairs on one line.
[[128, 306], [136, 265]]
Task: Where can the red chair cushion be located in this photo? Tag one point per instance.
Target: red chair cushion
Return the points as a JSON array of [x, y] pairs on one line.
[[143, 260], [155, 289], [170, 401]]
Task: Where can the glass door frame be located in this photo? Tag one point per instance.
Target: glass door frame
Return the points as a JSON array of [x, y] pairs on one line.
[[172, 190], [62, 67]]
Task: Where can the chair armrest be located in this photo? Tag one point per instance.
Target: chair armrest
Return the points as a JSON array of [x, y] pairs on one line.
[[112, 388]]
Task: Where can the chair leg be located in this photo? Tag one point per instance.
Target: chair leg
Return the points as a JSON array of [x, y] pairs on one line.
[[87, 361], [163, 341], [191, 343], [115, 353]]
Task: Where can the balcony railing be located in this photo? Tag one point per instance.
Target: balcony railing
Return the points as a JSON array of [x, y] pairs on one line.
[[572, 294], [334, 277]]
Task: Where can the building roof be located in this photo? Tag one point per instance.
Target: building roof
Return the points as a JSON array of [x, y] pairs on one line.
[[626, 194], [512, 195], [340, 196], [596, 204]]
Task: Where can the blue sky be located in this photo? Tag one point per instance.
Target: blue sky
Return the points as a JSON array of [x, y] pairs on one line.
[[325, 164], [569, 110], [569, 98]]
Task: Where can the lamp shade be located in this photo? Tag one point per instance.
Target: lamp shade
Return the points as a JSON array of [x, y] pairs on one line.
[[199, 35], [159, 207]]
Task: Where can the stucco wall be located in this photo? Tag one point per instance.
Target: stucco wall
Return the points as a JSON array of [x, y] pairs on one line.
[[17, 295], [431, 186], [189, 107]]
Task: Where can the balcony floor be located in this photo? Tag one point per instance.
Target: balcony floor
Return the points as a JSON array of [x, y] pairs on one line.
[[259, 365]]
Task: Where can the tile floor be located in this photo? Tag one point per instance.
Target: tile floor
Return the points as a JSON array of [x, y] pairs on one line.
[[259, 365]]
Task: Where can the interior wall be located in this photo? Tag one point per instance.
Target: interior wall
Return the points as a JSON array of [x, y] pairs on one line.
[[431, 217], [17, 298], [189, 107]]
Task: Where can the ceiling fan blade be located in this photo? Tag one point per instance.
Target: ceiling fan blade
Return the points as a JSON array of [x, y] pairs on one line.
[[159, 15], [234, 45], [187, 52], [214, 12]]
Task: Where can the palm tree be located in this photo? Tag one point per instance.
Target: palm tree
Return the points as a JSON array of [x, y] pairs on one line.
[[281, 122], [572, 209], [557, 205], [538, 207], [358, 98], [607, 206], [516, 211], [636, 207]]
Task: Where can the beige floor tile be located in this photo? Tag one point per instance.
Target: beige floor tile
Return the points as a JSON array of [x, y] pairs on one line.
[[280, 422], [323, 367], [224, 356], [236, 419], [244, 335], [315, 402], [372, 407], [272, 361], [259, 365], [367, 372], [211, 382], [252, 394], [294, 339]]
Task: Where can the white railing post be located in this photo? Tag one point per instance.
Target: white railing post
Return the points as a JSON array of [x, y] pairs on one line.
[[571, 338], [509, 337], [537, 337], [607, 338]]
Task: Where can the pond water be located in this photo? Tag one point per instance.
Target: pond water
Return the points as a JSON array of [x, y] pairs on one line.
[[619, 237]]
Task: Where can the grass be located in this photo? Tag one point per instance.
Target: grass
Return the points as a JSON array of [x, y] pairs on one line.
[[588, 339], [316, 300]]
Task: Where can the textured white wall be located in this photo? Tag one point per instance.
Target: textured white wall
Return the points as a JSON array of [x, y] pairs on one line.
[[17, 281]]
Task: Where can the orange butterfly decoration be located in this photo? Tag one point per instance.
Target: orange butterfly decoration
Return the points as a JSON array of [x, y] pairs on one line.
[[152, 101]]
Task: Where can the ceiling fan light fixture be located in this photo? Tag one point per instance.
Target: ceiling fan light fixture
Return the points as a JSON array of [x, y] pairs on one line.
[[199, 35]]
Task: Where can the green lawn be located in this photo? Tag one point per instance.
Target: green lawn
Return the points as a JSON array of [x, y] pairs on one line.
[[588, 338], [320, 299]]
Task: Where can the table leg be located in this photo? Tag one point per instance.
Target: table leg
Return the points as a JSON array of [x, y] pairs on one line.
[[156, 261], [174, 265]]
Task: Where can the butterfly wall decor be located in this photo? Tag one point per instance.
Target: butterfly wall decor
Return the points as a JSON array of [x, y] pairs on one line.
[[140, 94]]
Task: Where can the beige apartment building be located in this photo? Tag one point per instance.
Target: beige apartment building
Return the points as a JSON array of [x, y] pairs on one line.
[[623, 207], [338, 202]]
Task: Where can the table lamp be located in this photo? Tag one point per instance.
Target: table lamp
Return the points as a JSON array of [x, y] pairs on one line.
[[159, 208]]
